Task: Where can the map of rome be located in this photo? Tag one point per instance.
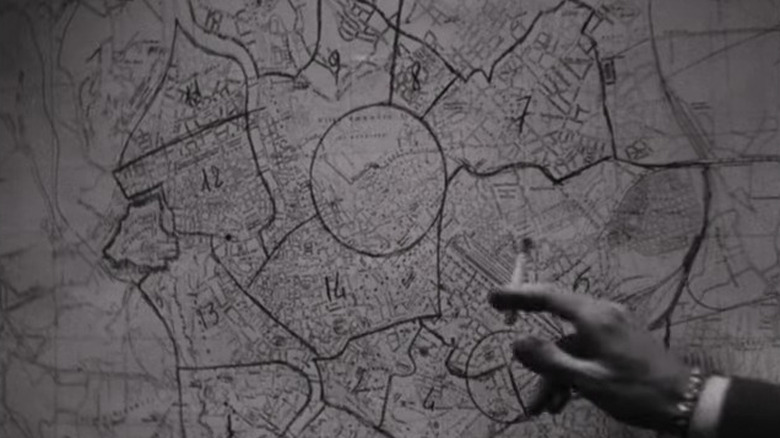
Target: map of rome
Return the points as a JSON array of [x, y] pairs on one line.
[[282, 218]]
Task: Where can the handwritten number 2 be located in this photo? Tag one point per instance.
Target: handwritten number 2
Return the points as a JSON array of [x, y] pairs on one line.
[[211, 179]]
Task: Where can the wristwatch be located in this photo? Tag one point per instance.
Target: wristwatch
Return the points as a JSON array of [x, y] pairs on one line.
[[687, 404]]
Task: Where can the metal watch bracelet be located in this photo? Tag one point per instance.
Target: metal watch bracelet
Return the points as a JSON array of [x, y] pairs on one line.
[[685, 407]]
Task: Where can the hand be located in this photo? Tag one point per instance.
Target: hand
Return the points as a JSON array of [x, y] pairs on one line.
[[609, 360]]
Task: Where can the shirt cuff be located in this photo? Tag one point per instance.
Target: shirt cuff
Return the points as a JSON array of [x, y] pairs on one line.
[[706, 414]]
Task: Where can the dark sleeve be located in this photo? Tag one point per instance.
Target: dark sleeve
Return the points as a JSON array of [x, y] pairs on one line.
[[751, 409]]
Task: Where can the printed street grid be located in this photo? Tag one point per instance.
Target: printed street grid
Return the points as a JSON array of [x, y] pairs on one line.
[[282, 218]]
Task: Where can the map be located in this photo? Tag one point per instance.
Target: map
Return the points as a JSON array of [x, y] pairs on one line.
[[282, 218]]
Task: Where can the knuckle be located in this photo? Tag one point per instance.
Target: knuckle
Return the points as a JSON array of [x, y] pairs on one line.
[[600, 374], [619, 312], [611, 317]]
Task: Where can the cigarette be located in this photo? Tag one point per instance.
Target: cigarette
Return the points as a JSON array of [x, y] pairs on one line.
[[518, 276]]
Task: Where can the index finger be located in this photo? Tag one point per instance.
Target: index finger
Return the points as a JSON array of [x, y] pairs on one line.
[[541, 297]]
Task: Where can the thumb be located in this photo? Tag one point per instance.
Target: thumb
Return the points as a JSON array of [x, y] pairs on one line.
[[550, 396], [551, 361]]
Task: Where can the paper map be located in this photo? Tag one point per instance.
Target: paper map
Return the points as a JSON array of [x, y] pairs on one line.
[[282, 218]]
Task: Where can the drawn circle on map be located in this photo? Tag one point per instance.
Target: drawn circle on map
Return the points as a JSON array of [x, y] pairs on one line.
[[499, 386], [378, 178]]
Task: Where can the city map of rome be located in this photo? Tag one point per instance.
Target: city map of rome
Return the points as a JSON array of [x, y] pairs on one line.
[[282, 218]]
